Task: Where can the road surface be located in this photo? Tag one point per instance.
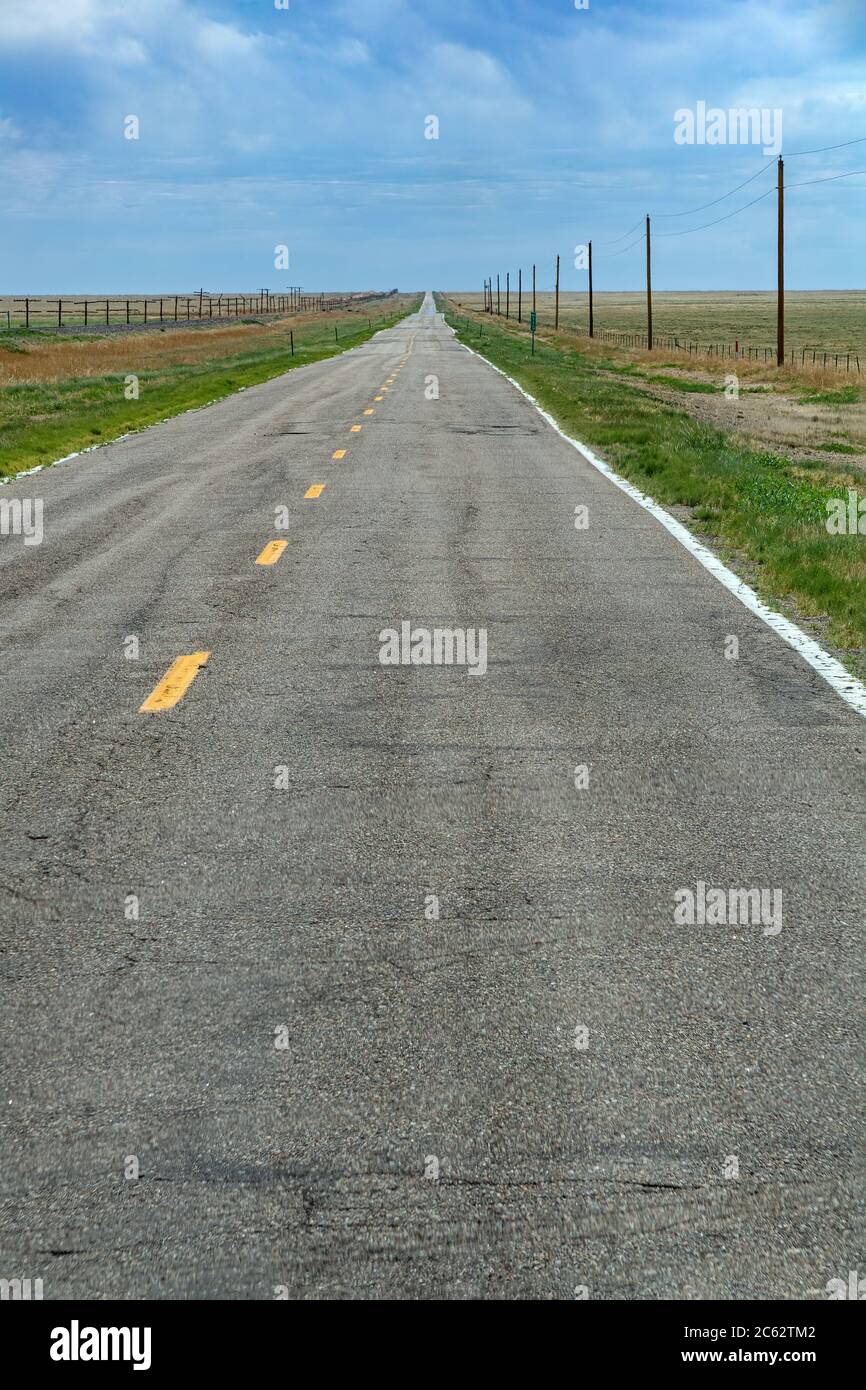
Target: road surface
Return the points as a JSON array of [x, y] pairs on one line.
[[222, 965]]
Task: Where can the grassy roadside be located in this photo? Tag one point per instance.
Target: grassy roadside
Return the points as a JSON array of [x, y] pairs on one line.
[[764, 514], [59, 395]]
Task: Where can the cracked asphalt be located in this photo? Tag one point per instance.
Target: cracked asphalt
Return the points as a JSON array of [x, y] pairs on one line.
[[221, 963]]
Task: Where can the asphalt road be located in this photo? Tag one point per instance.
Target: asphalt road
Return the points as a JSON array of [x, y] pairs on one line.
[[286, 1040]]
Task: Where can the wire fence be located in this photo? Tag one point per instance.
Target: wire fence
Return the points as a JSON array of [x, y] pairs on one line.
[[815, 357], [40, 311], [829, 358]]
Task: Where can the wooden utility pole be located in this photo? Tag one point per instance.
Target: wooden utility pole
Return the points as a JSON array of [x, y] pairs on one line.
[[556, 324], [508, 294], [520, 296], [533, 289], [498, 299], [590, 289], [780, 302], [649, 289]]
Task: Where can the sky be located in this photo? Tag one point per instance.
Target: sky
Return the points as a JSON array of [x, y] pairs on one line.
[[307, 127]]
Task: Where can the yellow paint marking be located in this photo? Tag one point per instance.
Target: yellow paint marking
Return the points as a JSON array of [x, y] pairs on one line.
[[316, 490], [175, 683], [370, 412], [378, 398], [338, 454], [272, 552], [356, 429]]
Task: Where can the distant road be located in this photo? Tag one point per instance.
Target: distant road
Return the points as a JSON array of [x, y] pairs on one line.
[[222, 964]]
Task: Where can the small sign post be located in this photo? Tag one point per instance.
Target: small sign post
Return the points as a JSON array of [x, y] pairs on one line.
[[533, 324]]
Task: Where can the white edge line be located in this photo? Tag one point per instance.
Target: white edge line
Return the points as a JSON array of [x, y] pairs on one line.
[[852, 691], [166, 419]]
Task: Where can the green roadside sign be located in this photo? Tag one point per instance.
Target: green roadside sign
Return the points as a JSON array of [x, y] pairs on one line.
[[533, 321]]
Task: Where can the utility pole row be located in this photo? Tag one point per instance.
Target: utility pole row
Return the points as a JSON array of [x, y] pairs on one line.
[[780, 291]]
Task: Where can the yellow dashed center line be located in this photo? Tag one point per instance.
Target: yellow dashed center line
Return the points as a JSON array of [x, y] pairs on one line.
[[271, 553], [175, 683], [316, 490], [338, 454], [370, 411], [356, 429], [378, 398]]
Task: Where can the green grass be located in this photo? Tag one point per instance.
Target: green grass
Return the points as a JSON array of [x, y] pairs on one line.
[[821, 320], [753, 505], [846, 395], [832, 446], [45, 421], [678, 384]]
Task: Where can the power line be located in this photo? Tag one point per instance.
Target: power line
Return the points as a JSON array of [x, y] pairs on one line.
[[844, 145], [624, 235], [727, 215], [610, 255], [829, 179], [691, 211]]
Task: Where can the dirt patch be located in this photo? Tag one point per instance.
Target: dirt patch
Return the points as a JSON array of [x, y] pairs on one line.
[[765, 419]]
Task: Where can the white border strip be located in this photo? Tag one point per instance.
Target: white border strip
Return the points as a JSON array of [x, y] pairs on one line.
[[191, 410], [852, 691]]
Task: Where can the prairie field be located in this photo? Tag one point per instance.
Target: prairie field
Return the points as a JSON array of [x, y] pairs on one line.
[[815, 320], [66, 391]]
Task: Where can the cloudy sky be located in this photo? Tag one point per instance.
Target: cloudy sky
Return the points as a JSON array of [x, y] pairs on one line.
[[306, 126]]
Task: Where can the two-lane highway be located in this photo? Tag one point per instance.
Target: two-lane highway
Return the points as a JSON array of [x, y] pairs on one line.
[[360, 979]]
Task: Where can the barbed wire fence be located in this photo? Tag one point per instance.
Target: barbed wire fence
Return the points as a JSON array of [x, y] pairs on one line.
[[843, 359], [43, 311]]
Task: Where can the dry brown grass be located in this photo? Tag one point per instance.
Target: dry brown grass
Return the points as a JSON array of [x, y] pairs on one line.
[[752, 370], [773, 412], [32, 361]]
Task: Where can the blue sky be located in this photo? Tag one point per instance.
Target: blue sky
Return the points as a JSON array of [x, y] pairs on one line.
[[306, 127]]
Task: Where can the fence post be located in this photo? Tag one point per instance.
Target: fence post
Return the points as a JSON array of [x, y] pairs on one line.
[[780, 291]]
